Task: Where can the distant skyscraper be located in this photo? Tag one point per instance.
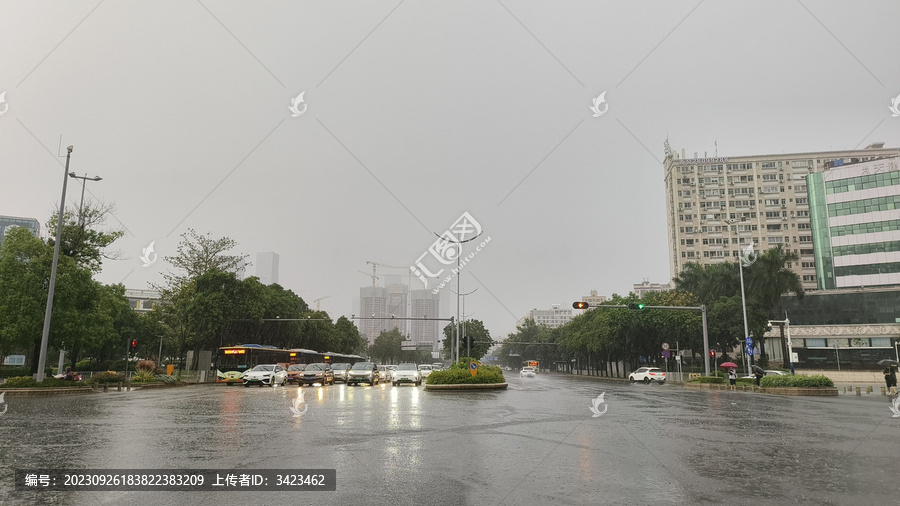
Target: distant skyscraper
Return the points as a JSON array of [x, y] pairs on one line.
[[7, 223], [267, 267], [372, 304], [425, 304]]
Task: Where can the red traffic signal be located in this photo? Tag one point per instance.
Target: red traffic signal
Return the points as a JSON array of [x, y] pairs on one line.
[[712, 354], [580, 305], [133, 344]]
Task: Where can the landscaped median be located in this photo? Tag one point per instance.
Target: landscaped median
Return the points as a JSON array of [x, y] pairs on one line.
[[458, 377], [26, 385], [796, 384]]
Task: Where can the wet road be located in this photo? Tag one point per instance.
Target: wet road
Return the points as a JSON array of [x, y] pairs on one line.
[[535, 443]]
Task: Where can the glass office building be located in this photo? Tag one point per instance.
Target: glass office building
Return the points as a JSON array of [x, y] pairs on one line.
[[855, 222], [8, 223]]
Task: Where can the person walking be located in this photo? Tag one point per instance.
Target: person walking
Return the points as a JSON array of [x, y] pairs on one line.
[[887, 377], [893, 379], [759, 376], [732, 378]]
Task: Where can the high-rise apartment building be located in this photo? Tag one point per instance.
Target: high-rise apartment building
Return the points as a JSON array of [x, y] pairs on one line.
[[372, 304], [593, 299], [855, 219], [425, 333], [554, 317], [716, 206], [267, 267], [646, 286], [8, 223]]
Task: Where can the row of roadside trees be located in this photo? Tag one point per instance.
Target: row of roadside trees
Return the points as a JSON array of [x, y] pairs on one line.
[[600, 339], [204, 303]]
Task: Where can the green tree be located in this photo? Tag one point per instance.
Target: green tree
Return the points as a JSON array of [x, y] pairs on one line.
[[474, 329], [348, 337], [386, 348], [82, 238]]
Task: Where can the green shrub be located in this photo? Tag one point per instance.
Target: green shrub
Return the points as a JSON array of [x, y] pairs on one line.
[[12, 372], [709, 379], [29, 382], [106, 377], [457, 375], [165, 378], [143, 377], [796, 380]]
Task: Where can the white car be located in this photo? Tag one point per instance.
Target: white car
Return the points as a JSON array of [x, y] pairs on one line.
[[406, 373], [425, 370], [527, 372], [265, 374], [648, 374], [388, 372]]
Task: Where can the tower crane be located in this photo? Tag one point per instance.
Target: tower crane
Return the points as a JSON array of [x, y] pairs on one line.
[[375, 266], [374, 277], [319, 299]]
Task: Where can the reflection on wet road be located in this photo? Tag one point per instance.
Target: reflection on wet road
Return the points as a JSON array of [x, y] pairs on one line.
[[535, 443]]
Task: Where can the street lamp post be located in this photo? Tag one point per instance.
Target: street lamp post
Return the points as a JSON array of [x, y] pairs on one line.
[[45, 335], [786, 323], [746, 258], [463, 295], [84, 179]]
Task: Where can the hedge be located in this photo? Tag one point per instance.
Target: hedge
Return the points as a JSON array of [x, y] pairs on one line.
[[796, 380]]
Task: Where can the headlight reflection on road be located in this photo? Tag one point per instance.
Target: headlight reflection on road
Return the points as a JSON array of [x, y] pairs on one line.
[[414, 398], [341, 397], [321, 393]]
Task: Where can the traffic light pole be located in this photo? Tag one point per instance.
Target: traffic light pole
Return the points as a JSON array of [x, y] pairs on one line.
[[702, 309]]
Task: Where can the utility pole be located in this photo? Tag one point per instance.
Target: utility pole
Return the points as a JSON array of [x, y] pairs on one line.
[[45, 336]]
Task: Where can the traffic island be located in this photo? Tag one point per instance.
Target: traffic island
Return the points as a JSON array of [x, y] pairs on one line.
[[467, 386], [21, 392]]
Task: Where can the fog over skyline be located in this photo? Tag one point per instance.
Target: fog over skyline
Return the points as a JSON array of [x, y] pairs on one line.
[[413, 113]]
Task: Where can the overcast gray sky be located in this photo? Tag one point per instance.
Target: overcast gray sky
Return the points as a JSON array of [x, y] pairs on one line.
[[418, 111]]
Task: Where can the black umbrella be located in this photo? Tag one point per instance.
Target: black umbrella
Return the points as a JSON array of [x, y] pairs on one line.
[[888, 361], [757, 368]]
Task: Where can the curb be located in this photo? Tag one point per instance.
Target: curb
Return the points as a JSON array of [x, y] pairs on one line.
[[22, 392], [469, 386], [794, 391]]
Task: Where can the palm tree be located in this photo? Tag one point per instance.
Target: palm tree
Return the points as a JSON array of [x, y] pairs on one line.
[[769, 278]]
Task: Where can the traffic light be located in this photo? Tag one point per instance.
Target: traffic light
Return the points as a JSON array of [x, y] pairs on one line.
[[580, 305], [712, 354], [636, 306], [133, 344]]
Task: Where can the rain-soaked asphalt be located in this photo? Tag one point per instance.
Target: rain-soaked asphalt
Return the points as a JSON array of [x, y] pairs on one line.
[[535, 443]]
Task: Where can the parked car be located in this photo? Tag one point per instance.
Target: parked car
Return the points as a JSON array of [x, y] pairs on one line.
[[425, 370], [406, 373], [648, 374], [316, 373], [340, 370], [363, 372], [526, 372], [265, 374], [294, 372]]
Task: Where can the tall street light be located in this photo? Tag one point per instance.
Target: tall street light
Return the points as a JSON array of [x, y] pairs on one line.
[[746, 259], [84, 179], [45, 336], [468, 347]]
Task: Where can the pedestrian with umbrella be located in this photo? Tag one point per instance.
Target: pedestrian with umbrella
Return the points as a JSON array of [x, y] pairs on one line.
[[732, 374]]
